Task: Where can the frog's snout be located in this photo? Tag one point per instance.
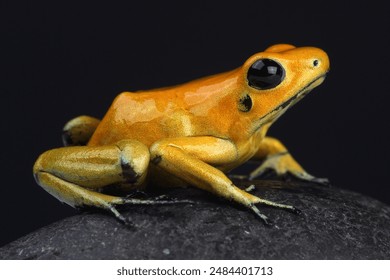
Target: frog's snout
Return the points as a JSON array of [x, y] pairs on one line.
[[320, 60], [309, 58], [325, 69]]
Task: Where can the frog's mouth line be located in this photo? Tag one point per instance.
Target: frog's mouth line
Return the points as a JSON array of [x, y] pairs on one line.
[[278, 111], [301, 94]]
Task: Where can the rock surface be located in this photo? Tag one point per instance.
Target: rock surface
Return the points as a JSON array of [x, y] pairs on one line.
[[334, 224]]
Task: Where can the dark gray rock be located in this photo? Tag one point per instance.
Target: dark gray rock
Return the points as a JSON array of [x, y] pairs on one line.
[[334, 224]]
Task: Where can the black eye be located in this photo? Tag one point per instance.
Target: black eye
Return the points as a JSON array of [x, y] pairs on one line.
[[265, 74]]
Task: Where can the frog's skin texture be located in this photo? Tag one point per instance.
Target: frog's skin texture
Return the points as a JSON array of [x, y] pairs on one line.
[[190, 134]]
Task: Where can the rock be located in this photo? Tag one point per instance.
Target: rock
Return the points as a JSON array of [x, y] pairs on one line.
[[334, 224]]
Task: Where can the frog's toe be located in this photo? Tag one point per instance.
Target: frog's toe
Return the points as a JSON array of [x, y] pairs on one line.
[[286, 207], [127, 222], [165, 199], [321, 181], [260, 215], [140, 197], [295, 210], [159, 200], [304, 176], [251, 188]]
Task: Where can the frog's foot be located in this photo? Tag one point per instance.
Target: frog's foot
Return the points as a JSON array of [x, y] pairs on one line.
[[304, 176], [283, 164], [159, 200], [172, 200], [111, 205], [264, 218], [138, 194], [289, 208]]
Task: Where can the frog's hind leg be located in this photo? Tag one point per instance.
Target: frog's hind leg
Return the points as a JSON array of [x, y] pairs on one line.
[[76, 175], [192, 158], [78, 131]]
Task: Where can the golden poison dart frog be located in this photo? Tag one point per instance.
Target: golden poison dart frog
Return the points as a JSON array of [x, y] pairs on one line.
[[185, 135]]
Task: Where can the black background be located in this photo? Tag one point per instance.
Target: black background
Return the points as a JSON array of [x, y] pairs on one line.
[[61, 59]]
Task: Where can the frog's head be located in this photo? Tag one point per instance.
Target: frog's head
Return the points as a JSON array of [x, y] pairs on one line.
[[277, 78]]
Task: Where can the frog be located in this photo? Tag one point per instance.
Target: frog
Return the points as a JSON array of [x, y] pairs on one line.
[[191, 134]]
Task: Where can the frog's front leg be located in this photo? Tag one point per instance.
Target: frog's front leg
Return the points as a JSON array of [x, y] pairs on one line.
[[276, 157], [76, 175], [195, 161]]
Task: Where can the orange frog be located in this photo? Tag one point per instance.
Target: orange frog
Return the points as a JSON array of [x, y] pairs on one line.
[[191, 134]]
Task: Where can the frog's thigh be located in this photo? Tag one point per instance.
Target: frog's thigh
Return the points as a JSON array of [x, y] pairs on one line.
[[191, 159], [78, 131], [74, 175]]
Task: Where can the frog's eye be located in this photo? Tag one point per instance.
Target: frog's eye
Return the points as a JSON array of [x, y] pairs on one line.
[[265, 74]]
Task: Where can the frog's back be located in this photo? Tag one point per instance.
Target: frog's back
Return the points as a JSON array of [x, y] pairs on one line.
[[185, 110], [137, 116]]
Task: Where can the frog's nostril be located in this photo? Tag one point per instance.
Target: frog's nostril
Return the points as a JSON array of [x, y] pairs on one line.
[[315, 62]]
